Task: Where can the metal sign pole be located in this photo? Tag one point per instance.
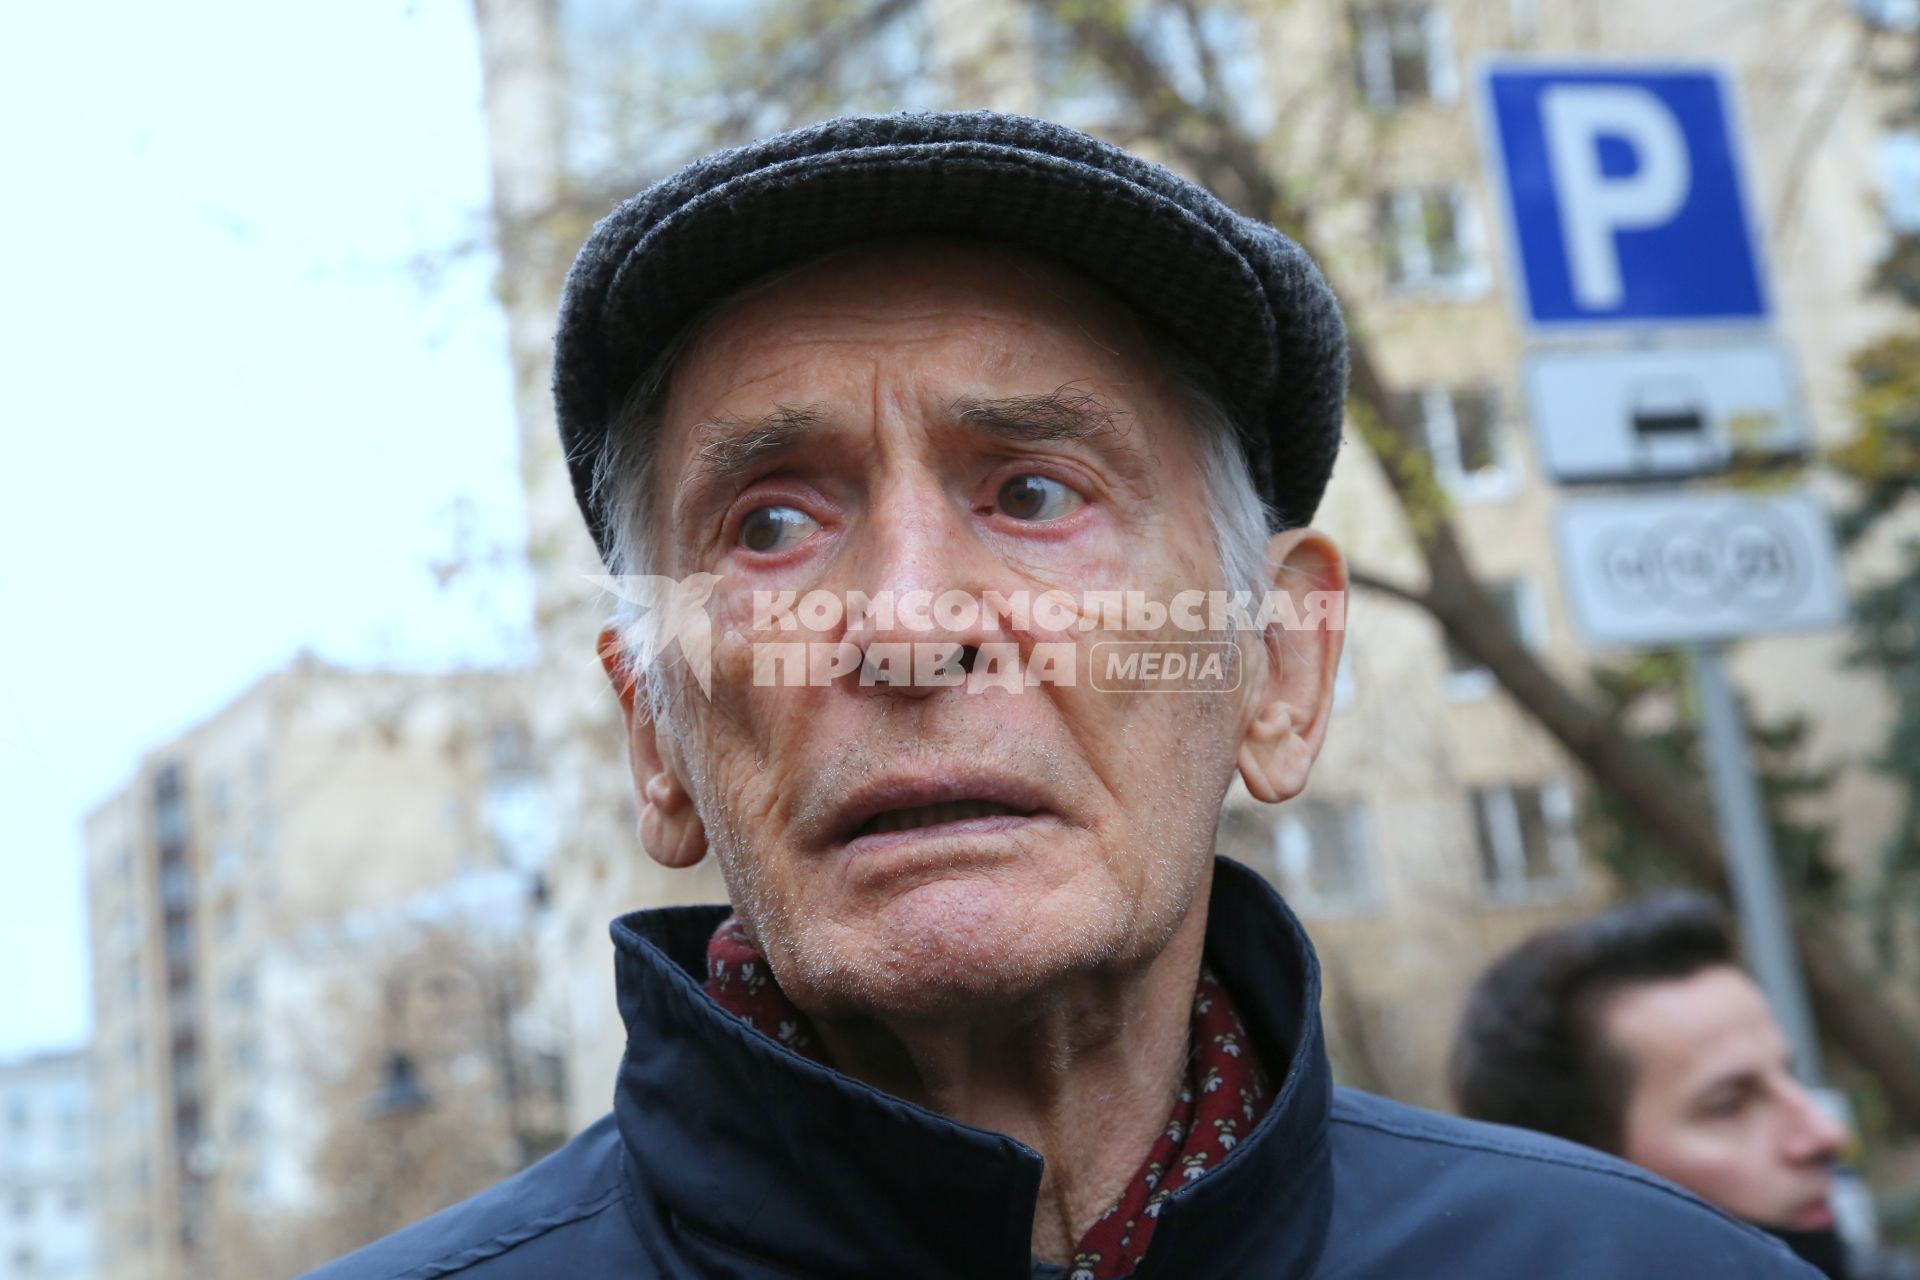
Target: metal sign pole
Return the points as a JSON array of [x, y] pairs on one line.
[[1766, 932]]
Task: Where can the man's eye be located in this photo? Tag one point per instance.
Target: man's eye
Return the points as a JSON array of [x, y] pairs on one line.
[[1037, 498], [775, 528], [1724, 1107]]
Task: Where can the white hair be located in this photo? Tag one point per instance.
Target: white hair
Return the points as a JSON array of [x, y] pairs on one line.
[[621, 494]]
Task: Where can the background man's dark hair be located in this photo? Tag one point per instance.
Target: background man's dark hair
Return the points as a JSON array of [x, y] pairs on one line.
[[1529, 1050]]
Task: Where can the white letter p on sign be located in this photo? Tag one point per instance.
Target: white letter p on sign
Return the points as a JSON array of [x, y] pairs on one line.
[[1595, 206]]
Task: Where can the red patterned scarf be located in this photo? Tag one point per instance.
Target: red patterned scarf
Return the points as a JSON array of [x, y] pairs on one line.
[[1224, 1095]]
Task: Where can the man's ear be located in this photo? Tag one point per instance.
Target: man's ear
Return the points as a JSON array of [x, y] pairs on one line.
[[1293, 701], [670, 828]]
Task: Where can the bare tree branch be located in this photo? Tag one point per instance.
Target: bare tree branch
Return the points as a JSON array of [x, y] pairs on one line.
[[1814, 130], [1367, 581], [801, 68], [1203, 55]]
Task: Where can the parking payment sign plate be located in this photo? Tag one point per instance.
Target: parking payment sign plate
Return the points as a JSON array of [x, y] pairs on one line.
[[1607, 413], [1625, 196], [1688, 567]]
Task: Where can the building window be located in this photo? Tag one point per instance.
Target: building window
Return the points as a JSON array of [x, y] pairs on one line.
[[176, 884], [1320, 853], [1315, 851], [179, 941], [1432, 240], [182, 1017], [1245, 835], [1466, 439], [23, 1204], [1406, 54], [126, 932], [1527, 844], [186, 1076], [1524, 612], [229, 858], [169, 806]]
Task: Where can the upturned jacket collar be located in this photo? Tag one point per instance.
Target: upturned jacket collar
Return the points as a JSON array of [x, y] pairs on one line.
[[803, 1169]]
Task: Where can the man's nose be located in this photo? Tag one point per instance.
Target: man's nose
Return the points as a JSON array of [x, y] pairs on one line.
[[925, 571], [915, 536], [1815, 1137]]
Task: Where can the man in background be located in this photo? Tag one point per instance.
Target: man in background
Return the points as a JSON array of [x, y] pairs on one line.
[[1637, 1032]]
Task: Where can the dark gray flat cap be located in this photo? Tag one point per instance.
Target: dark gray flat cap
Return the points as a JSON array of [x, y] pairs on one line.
[[1234, 295]]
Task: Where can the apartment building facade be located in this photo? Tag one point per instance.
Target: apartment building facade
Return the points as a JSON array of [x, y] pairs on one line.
[[48, 1214], [1441, 824], [236, 887]]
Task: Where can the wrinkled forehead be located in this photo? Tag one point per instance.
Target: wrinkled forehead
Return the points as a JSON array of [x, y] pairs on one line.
[[998, 313]]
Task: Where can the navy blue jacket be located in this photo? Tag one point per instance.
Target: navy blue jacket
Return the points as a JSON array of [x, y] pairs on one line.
[[728, 1156]]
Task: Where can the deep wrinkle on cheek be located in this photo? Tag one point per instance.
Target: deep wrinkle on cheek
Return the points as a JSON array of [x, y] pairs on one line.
[[730, 706], [1087, 564]]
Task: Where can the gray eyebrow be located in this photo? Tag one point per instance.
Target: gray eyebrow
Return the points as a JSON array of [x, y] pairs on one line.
[[733, 445], [1065, 413]]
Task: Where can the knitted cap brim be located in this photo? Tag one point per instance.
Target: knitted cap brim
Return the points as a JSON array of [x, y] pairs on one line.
[[1234, 296]]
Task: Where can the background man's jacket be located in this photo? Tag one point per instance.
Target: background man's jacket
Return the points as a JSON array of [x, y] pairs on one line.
[[728, 1156]]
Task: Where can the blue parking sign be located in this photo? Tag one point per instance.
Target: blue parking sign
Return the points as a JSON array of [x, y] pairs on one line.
[[1624, 194]]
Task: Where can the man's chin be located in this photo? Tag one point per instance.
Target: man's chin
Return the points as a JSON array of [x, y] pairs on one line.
[[1815, 1215], [957, 948]]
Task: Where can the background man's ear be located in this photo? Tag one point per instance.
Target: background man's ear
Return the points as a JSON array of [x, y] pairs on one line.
[[1293, 695], [670, 827]]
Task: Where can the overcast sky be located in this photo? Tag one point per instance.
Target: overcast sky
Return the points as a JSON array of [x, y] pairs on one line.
[[252, 367]]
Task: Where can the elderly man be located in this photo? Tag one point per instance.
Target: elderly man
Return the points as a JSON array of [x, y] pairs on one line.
[[1637, 1032], [984, 1003]]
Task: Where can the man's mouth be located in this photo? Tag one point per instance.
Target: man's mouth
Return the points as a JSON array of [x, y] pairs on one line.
[[965, 803], [921, 816], [1815, 1215]]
